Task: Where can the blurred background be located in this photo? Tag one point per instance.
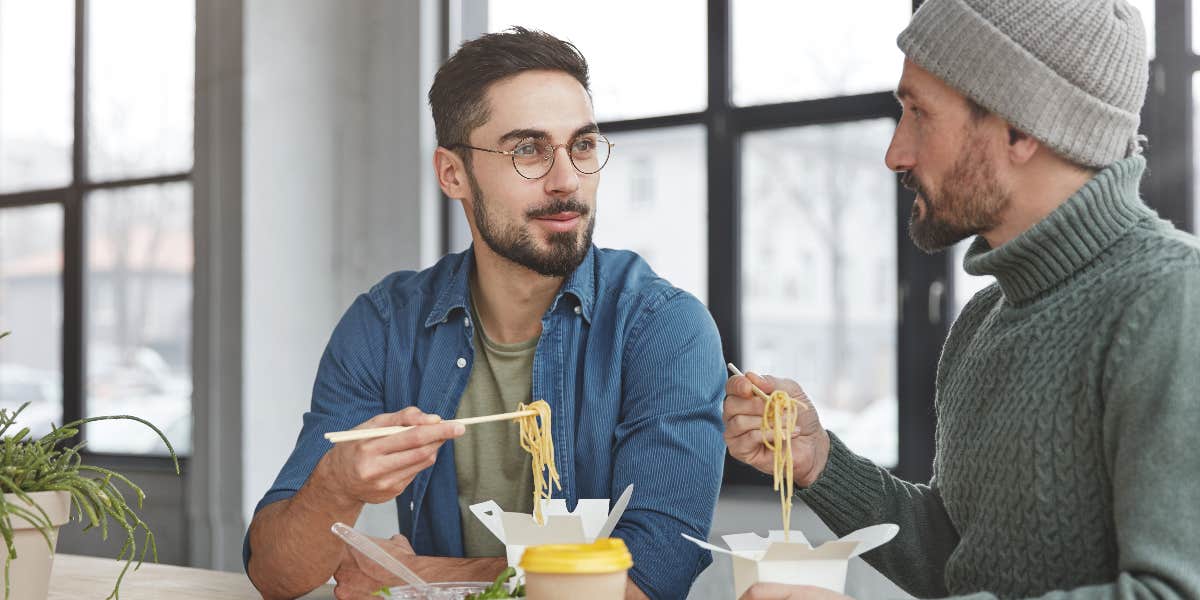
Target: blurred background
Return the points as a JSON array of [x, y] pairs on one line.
[[193, 191]]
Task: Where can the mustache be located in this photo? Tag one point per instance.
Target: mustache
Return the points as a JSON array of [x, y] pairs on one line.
[[560, 205], [909, 181]]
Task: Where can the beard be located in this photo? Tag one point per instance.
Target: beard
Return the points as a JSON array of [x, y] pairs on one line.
[[516, 243], [969, 202]]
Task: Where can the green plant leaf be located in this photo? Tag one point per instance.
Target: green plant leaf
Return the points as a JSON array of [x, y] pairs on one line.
[[49, 464]]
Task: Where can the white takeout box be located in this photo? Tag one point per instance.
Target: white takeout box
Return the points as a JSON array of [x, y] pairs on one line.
[[796, 562], [518, 530]]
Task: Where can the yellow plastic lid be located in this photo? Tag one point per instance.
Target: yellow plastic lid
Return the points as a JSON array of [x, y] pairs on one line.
[[607, 555]]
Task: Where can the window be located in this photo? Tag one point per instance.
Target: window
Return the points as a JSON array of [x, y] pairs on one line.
[[652, 201], [819, 192], [782, 49], [31, 295], [965, 284], [1195, 154], [95, 216], [35, 95], [629, 80], [1148, 12]]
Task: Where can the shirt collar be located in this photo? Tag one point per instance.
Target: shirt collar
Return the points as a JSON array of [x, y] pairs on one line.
[[581, 284]]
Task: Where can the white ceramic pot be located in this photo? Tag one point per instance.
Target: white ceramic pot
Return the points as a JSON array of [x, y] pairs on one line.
[[30, 570]]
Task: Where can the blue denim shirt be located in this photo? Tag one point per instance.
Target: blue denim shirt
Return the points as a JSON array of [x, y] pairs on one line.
[[632, 370]]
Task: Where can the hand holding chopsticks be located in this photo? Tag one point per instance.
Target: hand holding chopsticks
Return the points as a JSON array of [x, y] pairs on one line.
[[757, 390], [351, 435]]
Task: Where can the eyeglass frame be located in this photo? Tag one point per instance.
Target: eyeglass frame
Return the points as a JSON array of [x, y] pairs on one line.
[[512, 154]]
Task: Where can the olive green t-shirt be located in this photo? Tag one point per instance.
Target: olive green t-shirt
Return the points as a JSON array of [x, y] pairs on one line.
[[488, 459]]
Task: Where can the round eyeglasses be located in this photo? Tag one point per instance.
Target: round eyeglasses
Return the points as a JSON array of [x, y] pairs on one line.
[[533, 158]]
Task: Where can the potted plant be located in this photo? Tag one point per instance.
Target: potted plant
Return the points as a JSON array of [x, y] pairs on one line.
[[41, 480]]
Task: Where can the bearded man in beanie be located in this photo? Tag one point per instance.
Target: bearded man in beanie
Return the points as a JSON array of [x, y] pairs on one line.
[[1068, 392]]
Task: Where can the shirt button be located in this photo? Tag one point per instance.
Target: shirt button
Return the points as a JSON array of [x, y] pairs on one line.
[[462, 362], [466, 321], [578, 309]]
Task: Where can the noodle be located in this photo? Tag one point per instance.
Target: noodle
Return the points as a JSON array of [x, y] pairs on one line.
[[779, 418], [536, 440]]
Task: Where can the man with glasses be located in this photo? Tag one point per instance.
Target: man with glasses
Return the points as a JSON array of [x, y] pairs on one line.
[[1068, 392], [630, 365]]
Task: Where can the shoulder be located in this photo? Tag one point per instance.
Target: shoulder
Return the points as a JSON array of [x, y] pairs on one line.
[[412, 292], [624, 276], [1153, 251], [648, 305]]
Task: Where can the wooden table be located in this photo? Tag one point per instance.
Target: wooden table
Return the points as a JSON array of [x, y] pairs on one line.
[[84, 577]]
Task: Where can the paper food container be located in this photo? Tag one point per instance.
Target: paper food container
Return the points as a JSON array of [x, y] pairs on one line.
[[517, 531], [796, 562]]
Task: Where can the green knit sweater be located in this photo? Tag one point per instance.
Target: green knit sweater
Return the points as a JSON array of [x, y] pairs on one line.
[[1068, 404]]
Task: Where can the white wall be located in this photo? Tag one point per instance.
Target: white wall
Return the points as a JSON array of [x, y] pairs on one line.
[[337, 191]]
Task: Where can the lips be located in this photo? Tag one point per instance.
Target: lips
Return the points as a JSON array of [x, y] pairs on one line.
[[558, 222]]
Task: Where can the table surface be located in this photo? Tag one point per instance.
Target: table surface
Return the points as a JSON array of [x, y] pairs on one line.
[[78, 577]]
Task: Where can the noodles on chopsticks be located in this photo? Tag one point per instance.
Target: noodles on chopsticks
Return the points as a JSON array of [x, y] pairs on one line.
[[778, 422], [537, 441]]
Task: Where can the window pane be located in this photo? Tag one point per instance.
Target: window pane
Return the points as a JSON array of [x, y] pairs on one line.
[[31, 307], [36, 116], [1146, 7], [638, 68], [139, 315], [1196, 151], [819, 273], [785, 50], [966, 285], [653, 201], [140, 100]]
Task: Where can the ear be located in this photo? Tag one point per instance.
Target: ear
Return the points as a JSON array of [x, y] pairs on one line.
[[1021, 146], [451, 174]]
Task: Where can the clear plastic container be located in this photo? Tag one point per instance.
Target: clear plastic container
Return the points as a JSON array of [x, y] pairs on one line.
[[449, 590]]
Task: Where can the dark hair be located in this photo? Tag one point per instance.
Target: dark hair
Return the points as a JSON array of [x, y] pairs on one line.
[[458, 96]]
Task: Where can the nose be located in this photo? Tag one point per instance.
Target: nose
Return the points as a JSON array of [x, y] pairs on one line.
[[900, 155], [563, 179]]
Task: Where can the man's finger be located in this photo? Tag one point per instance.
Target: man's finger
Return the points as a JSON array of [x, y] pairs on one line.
[[736, 406], [746, 444], [792, 388], [352, 582], [738, 385], [766, 384], [768, 591], [401, 467], [416, 437], [409, 416], [741, 425]]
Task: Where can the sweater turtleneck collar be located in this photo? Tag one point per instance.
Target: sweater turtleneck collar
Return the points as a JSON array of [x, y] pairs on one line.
[[1055, 248]]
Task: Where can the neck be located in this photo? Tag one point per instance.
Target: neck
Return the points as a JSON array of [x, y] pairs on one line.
[[1042, 186], [510, 298]]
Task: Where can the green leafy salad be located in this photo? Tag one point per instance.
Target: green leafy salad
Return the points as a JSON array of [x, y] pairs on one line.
[[496, 591]]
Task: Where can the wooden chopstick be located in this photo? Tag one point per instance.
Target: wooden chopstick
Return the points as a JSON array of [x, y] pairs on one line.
[[735, 371], [351, 435]]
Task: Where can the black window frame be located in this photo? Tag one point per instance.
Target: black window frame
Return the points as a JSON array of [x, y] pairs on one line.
[[1167, 119]]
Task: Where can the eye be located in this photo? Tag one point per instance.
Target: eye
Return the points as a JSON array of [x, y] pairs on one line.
[[526, 149], [584, 145]]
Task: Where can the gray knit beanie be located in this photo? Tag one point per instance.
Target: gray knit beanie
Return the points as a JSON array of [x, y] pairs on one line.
[[1071, 73]]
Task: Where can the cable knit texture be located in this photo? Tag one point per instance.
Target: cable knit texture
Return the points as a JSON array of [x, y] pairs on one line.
[[1071, 73], [1068, 403]]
